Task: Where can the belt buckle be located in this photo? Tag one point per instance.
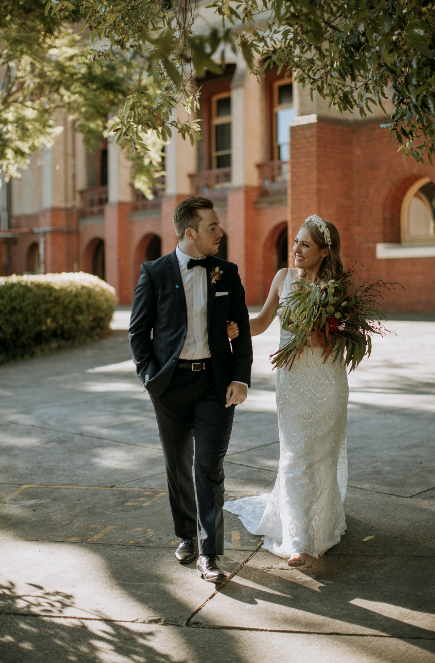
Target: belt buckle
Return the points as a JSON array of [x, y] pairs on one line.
[[198, 363]]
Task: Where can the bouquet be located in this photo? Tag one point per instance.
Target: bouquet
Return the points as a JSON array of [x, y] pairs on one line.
[[343, 324]]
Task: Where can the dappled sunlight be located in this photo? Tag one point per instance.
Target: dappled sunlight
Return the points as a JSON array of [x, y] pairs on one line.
[[423, 620], [124, 459], [121, 320], [20, 440], [60, 568], [277, 600], [121, 367], [90, 546], [259, 400], [393, 400], [116, 387], [87, 638]]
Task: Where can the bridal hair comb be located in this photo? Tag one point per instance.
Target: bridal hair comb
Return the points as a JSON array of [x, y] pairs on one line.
[[321, 224]]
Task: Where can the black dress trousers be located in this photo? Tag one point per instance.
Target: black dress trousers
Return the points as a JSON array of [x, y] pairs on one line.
[[195, 429]]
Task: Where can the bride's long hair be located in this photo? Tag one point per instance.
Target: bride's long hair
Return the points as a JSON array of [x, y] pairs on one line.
[[332, 266]]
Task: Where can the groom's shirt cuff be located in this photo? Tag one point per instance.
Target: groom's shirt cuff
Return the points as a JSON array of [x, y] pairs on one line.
[[238, 382]]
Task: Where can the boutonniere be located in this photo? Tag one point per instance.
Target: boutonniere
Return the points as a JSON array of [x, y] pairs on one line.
[[216, 275]]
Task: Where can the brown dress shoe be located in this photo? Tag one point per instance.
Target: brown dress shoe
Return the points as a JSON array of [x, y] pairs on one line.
[[209, 568], [186, 551]]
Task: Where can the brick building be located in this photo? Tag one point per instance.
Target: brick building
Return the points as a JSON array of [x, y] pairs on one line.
[[269, 157]]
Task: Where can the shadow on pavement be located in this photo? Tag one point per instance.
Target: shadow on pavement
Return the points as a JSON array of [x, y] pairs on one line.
[[35, 639]]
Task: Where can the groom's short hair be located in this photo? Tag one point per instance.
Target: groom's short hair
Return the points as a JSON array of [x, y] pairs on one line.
[[186, 215]]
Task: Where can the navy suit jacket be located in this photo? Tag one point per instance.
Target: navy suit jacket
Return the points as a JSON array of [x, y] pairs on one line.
[[159, 307]]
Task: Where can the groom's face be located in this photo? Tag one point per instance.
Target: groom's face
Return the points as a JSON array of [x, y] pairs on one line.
[[209, 234]]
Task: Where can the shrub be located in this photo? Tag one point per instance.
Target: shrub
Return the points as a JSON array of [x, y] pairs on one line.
[[42, 312]]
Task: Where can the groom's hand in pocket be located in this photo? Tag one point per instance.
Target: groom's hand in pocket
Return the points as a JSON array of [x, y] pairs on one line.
[[236, 394]]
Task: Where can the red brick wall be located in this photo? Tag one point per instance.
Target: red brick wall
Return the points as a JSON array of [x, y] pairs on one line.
[[61, 247], [141, 233], [169, 238], [350, 174], [268, 245], [90, 236], [252, 235], [243, 248], [4, 258], [119, 265]]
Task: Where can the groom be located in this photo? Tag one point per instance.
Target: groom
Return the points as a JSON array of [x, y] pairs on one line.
[[178, 337]]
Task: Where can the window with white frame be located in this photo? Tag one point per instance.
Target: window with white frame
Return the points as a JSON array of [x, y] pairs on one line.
[[418, 213], [284, 113], [221, 130]]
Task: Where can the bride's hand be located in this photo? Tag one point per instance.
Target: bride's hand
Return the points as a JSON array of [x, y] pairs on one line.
[[232, 330]]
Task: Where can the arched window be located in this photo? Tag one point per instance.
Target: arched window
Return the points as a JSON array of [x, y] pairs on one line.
[[98, 260], [282, 249], [148, 248], [418, 213], [154, 249], [32, 259]]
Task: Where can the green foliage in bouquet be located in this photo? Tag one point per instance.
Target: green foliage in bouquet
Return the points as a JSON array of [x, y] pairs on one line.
[[41, 313], [343, 324]]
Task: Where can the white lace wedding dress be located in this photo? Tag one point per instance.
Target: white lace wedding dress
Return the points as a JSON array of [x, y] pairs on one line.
[[304, 513]]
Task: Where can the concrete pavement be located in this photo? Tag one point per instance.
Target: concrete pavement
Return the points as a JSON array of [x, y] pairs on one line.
[[87, 569]]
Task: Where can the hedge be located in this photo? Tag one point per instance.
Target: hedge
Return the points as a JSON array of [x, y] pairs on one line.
[[40, 313]]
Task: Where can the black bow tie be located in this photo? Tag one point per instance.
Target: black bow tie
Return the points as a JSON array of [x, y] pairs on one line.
[[195, 263]]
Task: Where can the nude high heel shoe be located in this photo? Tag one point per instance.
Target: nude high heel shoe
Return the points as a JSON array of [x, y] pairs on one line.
[[302, 561]]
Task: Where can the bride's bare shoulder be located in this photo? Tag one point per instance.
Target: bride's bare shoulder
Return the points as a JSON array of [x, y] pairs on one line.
[[278, 281]]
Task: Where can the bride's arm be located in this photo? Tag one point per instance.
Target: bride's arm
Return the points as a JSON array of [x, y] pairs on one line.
[[263, 320]]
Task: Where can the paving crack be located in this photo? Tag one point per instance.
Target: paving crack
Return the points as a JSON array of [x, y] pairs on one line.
[[161, 621], [69, 432], [261, 446], [253, 467], [423, 491], [148, 476], [213, 627], [225, 583], [383, 492]]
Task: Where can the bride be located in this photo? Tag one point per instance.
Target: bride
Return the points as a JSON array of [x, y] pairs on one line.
[[304, 515]]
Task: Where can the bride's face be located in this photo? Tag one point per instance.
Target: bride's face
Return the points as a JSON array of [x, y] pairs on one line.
[[308, 255]]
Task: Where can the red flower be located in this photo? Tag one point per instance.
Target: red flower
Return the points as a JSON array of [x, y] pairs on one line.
[[333, 324], [350, 315]]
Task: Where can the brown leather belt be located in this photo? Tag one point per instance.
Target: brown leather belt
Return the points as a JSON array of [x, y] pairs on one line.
[[200, 365]]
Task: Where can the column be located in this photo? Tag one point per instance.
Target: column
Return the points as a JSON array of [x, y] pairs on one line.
[[118, 258], [180, 161], [247, 124], [322, 174]]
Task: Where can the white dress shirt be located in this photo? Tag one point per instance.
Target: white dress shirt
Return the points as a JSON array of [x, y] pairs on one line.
[[195, 290]]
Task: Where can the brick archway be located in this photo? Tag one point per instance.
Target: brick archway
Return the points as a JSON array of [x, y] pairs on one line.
[[88, 257], [148, 248], [32, 258], [270, 258]]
